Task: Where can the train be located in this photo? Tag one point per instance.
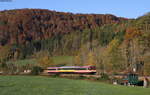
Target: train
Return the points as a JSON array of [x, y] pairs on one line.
[[72, 70]]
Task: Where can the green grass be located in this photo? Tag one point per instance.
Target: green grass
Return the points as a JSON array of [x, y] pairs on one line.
[[60, 60], [38, 85], [68, 60], [24, 62]]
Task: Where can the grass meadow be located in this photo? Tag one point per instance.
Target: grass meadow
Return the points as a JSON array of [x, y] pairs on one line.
[[41, 85]]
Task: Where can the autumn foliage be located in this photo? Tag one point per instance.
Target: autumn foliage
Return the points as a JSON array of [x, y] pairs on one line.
[[25, 25]]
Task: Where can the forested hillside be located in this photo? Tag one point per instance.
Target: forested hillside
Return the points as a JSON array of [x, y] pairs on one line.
[[20, 26], [33, 30], [111, 43]]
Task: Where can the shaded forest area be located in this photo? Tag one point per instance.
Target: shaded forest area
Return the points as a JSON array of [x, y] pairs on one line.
[[111, 43]]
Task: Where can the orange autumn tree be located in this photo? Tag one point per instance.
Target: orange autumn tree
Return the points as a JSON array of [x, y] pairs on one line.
[[131, 33]]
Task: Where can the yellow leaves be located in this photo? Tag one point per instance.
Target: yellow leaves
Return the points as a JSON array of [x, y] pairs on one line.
[[87, 60], [45, 62], [91, 59], [43, 59], [78, 61], [4, 52], [113, 57], [113, 45]]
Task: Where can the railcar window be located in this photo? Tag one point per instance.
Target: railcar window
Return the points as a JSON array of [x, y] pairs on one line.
[[66, 69], [80, 68], [51, 69], [72, 69]]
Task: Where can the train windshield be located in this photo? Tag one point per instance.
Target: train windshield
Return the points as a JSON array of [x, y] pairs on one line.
[[92, 68]]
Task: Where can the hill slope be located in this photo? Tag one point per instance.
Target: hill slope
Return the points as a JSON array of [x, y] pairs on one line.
[[20, 26]]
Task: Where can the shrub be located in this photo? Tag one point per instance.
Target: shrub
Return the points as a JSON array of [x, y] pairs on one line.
[[36, 70], [104, 76]]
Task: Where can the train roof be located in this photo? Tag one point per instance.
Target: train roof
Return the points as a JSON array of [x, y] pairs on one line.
[[53, 67], [74, 67], [70, 67]]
